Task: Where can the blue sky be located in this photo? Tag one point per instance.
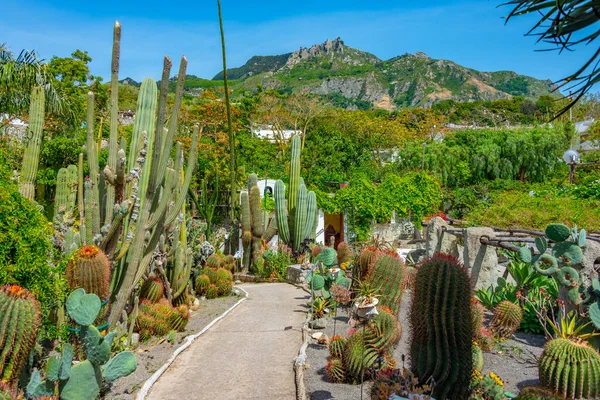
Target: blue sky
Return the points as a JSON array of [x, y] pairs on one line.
[[471, 33]]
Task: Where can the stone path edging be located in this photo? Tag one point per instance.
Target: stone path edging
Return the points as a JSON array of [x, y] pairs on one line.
[[141, 395]]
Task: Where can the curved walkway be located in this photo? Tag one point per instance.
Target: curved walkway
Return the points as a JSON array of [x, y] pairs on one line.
[[247, 355]]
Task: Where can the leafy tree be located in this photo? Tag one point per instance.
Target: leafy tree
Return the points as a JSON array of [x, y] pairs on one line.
[[18, 76], [565, 24]]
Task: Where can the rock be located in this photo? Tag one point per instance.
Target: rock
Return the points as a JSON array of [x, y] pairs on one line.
[[295, 274], [438, 241], [481, 260], [135, 339], [317, 335], [319, 323], [324, 340], [591, 260]]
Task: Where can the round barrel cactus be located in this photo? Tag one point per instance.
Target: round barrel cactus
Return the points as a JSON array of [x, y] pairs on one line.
[[538, 393], [19, 324], [507, 318], [153, 290], [440, 320], [335, 370], [89, 268], [336, 346], [571, 368], [387, 275]]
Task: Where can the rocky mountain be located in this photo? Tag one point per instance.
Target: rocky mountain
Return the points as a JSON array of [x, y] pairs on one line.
[[353, 78]]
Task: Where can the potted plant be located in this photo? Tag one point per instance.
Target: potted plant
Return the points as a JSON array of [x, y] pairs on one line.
[[366, 300]]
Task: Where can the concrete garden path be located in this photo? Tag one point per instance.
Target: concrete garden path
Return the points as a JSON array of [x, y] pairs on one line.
[[247, 355]]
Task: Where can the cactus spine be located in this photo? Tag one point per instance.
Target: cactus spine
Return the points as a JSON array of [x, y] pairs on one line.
[[32, 152], [440, 320], [19, 323], [571, 368], [388, 275], [89, 269]]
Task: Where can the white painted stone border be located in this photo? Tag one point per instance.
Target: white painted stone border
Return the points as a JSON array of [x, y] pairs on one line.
[[141, 395]]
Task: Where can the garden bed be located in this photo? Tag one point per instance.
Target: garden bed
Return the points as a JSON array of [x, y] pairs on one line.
[[152, 354], [513, 360]]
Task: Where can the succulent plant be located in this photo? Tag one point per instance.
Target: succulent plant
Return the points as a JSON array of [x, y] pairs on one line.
[[328, 257], [89, 268], [507, 318], [212, 292], [153, 289], [297, 217], [477, 315], [336, 346], [20, 320], [344, 253], [571, 368], [34, 143], [477, 358], [387, 275], [440, 320], [180, 318], [335, 370], [537, 393], [202, 282], [84, 379], [367, 258], [358, 356], [213, 261]]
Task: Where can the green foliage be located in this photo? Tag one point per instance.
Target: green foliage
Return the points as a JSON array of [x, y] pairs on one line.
[[26, 250], [276, 263], [442, 311], [20, 320], [570, 368], [532, 154]]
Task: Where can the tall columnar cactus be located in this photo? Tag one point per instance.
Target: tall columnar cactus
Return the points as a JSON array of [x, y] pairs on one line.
[[571, 368], [89, 269], [507, 318], [297, 218], [84, 379], [388, 275], [19, 323], [34, 143], [440, 320], [253, 224], [62, 194]]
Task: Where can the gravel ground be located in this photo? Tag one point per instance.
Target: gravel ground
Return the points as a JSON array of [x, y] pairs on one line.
[[514, 361], [153, 354]]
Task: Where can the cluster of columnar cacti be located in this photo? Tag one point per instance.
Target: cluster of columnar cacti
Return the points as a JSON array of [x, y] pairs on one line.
[[157, 319], [296, 217], [387, 275], [507, 319], [89, 268], [368, 348], [571, 368], [440, 320], [255, 228], [136, 200], [19, 321], [214, 282], [83, 380]]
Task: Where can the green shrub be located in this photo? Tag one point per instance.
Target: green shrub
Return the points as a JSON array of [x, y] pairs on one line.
[[520, 209], [26, 249]]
